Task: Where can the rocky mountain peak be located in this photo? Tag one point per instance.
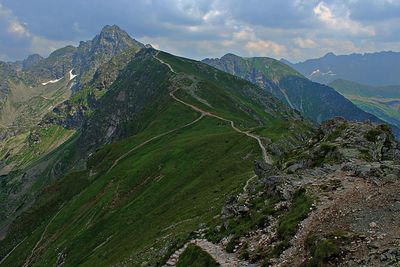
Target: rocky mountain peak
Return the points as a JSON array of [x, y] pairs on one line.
[[31, 61], [114, 39]]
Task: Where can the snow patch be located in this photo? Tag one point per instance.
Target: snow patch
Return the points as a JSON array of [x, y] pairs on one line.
[[315, 72], [318, 72], [71, 76], [52, 81]]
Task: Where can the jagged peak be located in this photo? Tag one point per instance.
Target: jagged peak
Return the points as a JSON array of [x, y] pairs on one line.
[[229, 55], [114, 35]]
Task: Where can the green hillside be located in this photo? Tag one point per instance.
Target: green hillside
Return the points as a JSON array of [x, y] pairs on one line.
[[383, 102], [168, 142], [315, 101]]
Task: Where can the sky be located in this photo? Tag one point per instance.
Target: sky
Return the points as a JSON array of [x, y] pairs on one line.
[[292, 29]]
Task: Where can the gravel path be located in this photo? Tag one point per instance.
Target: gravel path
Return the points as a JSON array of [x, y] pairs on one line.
[[266, 157]]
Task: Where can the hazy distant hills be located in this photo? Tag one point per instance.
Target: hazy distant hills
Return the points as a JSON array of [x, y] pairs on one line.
[[382, 101], [377, 69], [315, 101]]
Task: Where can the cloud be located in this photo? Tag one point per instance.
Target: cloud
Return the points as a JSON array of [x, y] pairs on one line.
[[15, 27], [295, 29], [21, 39], [244, 34], [265, 48], [305, 42], [341, 22]]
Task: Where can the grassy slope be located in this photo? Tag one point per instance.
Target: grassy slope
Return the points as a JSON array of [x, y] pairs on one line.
[[25, 106], [157, 195], [379, 101]]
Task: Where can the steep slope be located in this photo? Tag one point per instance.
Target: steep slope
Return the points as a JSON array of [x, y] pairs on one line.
[[383, 102], [317, 102], [169, 140], [375, 69], [38, 84], [39, 113]]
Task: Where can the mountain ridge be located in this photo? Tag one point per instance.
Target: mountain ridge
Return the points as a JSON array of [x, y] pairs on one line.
[[317, 102], [376, 69]]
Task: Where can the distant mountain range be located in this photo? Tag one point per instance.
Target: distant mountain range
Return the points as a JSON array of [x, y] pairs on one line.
[[315, 101], [382, 101], [376, 69]]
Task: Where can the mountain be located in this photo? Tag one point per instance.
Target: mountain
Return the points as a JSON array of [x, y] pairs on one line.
[[43, 103], [376, 69], [315, 101], [161, 150], [382, 101], [37, 76], [159, 160]]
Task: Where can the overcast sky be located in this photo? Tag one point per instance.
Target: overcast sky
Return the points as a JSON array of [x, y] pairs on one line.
[[292, 29]]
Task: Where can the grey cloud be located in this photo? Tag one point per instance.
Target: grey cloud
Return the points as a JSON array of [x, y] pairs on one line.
[[206, 28]]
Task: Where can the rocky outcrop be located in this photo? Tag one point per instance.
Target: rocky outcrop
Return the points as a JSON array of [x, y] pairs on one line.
[[332, 202]]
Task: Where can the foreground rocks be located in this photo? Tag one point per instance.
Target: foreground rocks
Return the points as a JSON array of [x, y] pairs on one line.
[[345, 182]]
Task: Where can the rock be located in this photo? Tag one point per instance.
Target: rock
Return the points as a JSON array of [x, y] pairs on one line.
[[329, 126], [262, 169], [293, 168], [396, 156], [373, 225], [229, 209]]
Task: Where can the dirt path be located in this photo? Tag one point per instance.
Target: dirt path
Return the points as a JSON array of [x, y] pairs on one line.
[[223, 258], [215, 251], [266, 157], [9, 253], [151, 139], [29, 259], [203, 113]]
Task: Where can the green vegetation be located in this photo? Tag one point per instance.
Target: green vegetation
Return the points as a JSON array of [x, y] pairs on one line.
[[327, 154], [288, 223], [193, 256], [237, 227], [383, 102], [338, 131], [373, 134], [323, 249], [157, 192], [298, 211]]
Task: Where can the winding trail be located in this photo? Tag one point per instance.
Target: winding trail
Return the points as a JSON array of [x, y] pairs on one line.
[[217, 252], [266, 157], [9, 253], [151, 139], [203, 113], [29, 259]]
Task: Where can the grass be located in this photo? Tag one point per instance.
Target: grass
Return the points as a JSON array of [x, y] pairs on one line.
[[156, 196], [374, 100], [114, 202], [288, 223], [238, 226], [373, 134], [324, 248], [193, 256]]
